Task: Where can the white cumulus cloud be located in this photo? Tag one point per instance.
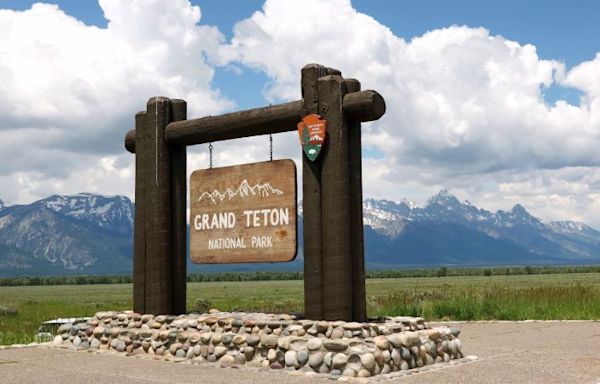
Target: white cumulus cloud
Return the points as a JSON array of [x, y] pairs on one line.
[[69, 91], [465, 107]]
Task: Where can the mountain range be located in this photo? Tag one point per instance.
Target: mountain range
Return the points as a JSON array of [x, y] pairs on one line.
[[448, 232], [92, 234]]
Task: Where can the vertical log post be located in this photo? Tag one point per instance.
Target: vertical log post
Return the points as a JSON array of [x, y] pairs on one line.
[[139, 233], [311, 203], [359, 305], [334, 277], [335, 203], [153, 224], [311, 200], [178, 209]]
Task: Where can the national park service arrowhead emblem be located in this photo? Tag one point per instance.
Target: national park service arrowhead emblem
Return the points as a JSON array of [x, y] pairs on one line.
[[312, 130]]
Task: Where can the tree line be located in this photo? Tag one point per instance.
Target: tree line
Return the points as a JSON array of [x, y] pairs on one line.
[[297, 275]]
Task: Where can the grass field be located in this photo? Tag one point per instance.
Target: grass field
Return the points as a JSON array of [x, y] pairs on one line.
[[555, 296]]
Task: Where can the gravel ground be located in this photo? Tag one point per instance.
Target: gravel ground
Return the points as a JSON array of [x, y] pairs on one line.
[[508, 352]]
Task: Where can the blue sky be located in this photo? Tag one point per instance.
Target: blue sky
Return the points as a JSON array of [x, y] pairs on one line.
[[497, 101], [558, 31]]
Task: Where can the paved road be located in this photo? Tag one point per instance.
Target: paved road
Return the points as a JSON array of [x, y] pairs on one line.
[[508, 352]]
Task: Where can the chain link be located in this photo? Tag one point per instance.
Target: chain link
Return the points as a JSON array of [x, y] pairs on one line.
[[210, 155], [270, 145]]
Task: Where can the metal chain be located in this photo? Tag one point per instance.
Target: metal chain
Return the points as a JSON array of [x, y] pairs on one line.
[[210, 155], [270, 145]]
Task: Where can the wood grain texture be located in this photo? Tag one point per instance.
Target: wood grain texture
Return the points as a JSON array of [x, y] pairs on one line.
[[335, 203], [364, 106], [359, 106], [130, 140], [259, 121], [311, 202], [244, 213], [139, 232], [154, 156], [178, 209], [359, 309]]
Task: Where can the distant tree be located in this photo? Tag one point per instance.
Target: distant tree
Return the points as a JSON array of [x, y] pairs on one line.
[[487, 272], [442, 272]]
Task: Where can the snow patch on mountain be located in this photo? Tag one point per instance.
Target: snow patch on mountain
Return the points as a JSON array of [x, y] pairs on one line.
[[114, 213], [569, 227], [385, 216]]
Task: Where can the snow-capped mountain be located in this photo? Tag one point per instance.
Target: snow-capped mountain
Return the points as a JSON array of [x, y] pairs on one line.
[[387, 217], [112, 213], [84, 233], [92, 234], [444, 207], [448, 231]]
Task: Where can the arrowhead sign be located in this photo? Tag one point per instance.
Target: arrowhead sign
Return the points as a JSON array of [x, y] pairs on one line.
[[312, 130]]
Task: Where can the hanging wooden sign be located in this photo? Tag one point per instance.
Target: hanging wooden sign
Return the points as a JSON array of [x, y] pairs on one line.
[[312, 130], [244, 213]]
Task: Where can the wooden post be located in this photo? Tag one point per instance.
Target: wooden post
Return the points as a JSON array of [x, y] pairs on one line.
[[153, 226], [359, 305], [311, 200], [334, 285], [178, 209], [311, 204], [335, 203], [139, 233]]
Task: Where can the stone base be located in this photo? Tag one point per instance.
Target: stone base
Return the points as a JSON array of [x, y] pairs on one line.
[[335, 348]]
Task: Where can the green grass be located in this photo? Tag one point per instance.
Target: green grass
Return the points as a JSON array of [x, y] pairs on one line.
[[518, 297], [38, 304]]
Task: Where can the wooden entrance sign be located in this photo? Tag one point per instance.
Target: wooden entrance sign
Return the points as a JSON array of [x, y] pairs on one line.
[[244, 213], [334, 280]]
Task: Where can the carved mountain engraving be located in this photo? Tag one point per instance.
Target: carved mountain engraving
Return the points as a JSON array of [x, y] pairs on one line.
[[243, 190]]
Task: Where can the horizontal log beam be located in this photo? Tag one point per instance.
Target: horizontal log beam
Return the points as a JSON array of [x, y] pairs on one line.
[[363, 106], [358, 107], [252, 122], [130, 141]]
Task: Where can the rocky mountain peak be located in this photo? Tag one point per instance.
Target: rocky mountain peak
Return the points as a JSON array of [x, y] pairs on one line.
[[518, 209], [114, 213], [444, 198]]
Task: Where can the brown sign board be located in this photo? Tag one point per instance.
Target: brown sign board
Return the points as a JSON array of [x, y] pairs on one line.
[[244, 213]]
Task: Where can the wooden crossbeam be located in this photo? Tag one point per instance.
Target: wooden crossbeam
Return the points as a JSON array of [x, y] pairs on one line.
[[358, 107]]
